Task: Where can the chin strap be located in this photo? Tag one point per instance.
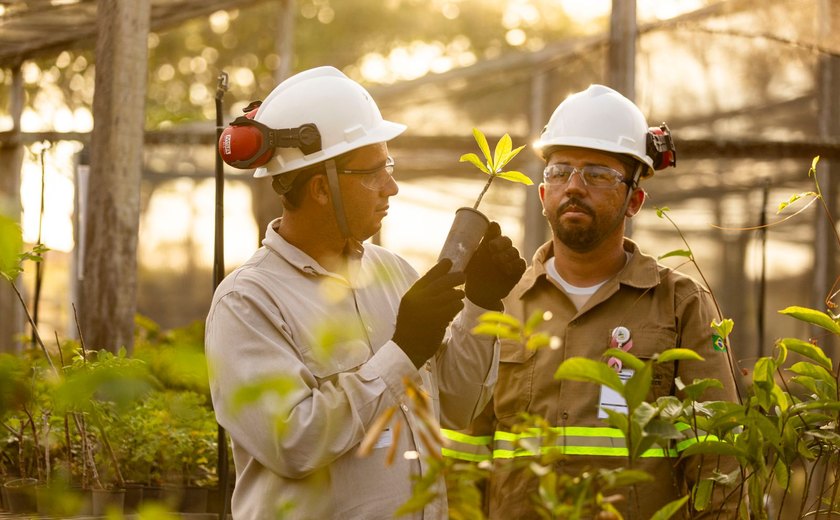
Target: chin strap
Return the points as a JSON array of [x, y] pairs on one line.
[[335, 195]]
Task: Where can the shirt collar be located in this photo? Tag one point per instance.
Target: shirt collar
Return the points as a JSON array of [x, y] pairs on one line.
[[642, 271]]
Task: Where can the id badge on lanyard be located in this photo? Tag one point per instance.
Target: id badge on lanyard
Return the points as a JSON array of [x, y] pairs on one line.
[[610, 399]]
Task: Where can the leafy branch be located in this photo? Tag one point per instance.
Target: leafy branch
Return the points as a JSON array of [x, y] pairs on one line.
[[493, 164]]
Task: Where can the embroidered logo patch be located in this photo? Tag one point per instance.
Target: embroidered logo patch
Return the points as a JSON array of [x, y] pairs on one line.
[[718, 343]]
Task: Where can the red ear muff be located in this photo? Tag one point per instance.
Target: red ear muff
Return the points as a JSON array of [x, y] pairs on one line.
[[241, 145], [660, 147], [247, 143]]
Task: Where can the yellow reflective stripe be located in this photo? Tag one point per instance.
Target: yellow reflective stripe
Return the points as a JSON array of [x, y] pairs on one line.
[[477, 440], [462, 455], [581, 440]]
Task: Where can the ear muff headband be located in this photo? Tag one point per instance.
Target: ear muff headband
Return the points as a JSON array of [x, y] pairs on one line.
[[660, 147]]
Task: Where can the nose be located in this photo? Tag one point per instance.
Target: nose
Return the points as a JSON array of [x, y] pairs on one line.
[[391, 188], [576, 183]]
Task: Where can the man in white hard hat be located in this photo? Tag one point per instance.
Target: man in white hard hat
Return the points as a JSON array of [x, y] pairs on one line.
[[330, 328], [599, 291]]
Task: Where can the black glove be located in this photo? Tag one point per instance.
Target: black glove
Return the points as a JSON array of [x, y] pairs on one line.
[[426, 310], [494, 269]]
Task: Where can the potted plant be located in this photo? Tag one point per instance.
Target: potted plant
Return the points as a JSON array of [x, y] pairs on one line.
[[470, 224]]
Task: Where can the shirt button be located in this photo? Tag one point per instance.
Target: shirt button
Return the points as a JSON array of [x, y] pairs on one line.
[[404, 407]]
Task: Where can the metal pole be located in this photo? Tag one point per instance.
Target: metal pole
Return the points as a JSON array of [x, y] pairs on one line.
[[218, 275]]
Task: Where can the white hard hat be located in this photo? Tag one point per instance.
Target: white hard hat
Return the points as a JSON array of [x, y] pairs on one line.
[[598, 118], [342, 110]]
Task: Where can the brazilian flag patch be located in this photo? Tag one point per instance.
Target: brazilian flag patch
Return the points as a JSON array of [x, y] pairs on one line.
[[718, 343]]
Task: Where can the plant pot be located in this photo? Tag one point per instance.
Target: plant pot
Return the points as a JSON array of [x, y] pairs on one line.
[[105, 500], [20, 495], [464, 236], [193, 500]]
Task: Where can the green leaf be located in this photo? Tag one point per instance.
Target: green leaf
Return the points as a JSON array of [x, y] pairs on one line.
[[509, 156], [502, 149], [628, 477], [660, 212], [538, 340], [793, 199], [703, 494], [482, 143], [587, 370], [817, 372], [669, 509], [627, 359], [809, 350], [696, 389], [534, 320], [676, 252], [813, 317], [638, 386], [516, 177], [814, 162], [495, 329], [782, 472], [678, 354], [500, 317], [473, 158], [723, 327], [11, 243], [711, 448]]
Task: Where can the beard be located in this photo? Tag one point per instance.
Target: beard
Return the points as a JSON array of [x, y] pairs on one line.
[[582, 237]]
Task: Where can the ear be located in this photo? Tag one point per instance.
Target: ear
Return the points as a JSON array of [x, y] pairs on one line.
[[319, 190], [542, 193], [637, 200]]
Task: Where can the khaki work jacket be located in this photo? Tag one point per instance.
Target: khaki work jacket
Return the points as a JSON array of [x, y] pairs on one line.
[[662, 309]]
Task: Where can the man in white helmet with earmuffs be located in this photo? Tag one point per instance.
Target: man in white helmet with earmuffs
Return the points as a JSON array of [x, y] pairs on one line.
[[327, 329], [598, 291]]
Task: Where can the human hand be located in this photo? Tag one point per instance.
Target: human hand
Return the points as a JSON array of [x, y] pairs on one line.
[[426, 310], [494, 269]]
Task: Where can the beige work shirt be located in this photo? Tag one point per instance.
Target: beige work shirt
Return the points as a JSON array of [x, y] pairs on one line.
[[661, 309], [327, 339]]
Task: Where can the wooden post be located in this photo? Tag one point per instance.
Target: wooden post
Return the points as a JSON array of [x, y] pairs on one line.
[[11, 160], [266, 204], [109, 285], [825, 240], [621, 58], [535, 224]]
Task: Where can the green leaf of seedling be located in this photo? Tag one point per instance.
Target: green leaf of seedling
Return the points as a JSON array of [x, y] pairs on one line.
[[660, 212], [502, 149], [676, 252], [670, 509], [587, 370], [696, 389], [509, 157], [817, 372], [628, 477], [500, 317], [703, 494], [515, 176], [473, 158], [617, 420], [482, 144], [638, 386], [794, 198], [538, 340], [814, 162], [813, 317], [712, 448], [534, 320], [495, 329], [627, 359], [809, 350], [723, 327], [678, 354]]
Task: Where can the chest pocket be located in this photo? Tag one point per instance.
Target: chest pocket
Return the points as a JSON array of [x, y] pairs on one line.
[[516, 379], [647, 343], [336, 358]]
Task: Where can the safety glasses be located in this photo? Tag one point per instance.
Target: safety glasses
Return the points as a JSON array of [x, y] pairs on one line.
[[593, 175], [376, 178]]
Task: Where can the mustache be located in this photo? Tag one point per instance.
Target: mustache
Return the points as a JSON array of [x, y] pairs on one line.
[[577, 203]]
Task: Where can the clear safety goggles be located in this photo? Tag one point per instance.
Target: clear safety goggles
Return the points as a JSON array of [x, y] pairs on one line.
[[376, 178]]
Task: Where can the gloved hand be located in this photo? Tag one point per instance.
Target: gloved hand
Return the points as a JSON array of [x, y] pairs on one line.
[[426, 310], [494, 269]]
